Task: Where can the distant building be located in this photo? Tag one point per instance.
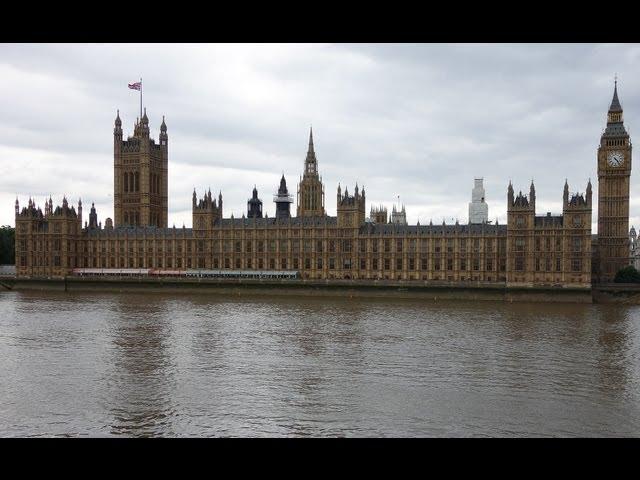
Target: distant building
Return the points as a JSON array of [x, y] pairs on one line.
[[634, 249], [378, 214], [398, 217], [478, 208]]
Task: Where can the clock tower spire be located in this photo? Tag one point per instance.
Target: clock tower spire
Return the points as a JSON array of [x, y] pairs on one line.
[[614, 171]]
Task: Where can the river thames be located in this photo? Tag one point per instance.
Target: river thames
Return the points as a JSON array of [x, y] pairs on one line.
[[103, 364]]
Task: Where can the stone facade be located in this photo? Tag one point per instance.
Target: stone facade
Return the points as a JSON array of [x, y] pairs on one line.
[[549, 249], [530, 250]]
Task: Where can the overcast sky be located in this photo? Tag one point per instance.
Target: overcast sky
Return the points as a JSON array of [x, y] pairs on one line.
[[418, 121]]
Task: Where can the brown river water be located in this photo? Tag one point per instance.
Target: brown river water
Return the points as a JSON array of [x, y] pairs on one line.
[[104, 364]]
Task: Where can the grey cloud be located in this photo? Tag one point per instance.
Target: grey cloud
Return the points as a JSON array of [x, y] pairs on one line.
[[419, 121]]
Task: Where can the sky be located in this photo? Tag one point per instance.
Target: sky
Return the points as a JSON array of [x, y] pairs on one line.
[[417, 122]]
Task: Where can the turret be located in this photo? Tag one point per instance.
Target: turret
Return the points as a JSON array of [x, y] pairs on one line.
[[398, 215], [80, 212], [145, 124], [283, 200], [93, 217], [532, 195], [311, 164], [379, 214], [254, 205], [510, 195], [17, 207], [164, 138], [577, 199], [351, 209], [117, 131], [205, 212]]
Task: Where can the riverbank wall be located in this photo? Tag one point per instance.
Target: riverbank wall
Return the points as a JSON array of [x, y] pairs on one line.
[[310, 288], [624, 293]]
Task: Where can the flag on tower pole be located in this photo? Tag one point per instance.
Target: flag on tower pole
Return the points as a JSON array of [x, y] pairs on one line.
[[138, 86]]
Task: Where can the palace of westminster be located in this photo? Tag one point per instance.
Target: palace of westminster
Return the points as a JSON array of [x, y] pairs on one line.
[[529, 250]]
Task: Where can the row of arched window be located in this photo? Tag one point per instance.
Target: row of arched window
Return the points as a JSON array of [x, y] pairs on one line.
[[132, 218], [131, 182], [154, 219], [154, 183]]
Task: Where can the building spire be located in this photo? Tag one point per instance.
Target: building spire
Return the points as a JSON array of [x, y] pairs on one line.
[[311, 163], [615, 103]]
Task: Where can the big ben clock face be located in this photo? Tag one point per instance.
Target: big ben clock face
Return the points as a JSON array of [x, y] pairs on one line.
[[615, 159]]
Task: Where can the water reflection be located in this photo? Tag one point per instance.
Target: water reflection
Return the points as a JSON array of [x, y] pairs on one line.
[[614, 347], [141, 381], [138, 365]]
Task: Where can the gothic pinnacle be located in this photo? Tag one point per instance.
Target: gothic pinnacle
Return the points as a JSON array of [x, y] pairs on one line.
[[615, 103]]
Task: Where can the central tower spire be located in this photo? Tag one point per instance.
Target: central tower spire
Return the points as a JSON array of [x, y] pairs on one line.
[[311, 163], [310, 188]]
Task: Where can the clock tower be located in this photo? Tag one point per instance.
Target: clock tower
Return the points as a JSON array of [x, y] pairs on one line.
[[614, 171]]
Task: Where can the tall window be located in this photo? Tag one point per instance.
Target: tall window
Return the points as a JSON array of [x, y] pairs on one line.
[[577, 244]]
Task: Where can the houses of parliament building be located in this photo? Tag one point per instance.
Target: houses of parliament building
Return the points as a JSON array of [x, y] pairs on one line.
[[529, 250]]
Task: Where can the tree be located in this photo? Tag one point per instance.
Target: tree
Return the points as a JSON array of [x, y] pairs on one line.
[[7, 245], [627, 275]]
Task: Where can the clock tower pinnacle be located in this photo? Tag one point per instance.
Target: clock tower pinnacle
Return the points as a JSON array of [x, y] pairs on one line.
[[614, 171]]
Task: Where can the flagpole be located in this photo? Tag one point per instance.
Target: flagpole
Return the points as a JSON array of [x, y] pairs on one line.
[[140, 98]]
